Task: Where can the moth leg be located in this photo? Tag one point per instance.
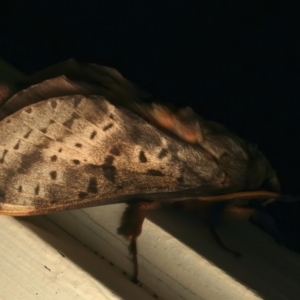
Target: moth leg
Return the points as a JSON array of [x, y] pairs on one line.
[[131, 227], [214, 211], [214, 220], [221, 244]]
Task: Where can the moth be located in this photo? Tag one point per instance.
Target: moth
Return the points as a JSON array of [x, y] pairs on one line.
[[88, 137]]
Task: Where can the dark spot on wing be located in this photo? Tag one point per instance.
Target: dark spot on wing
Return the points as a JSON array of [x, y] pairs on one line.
[[7, 180], [51, 121], [93, 134], [26, 136], [54, 158], [37, 190], [8, 121], [76, 161], [2, 195], [78, 145], [111, 116], [52, 201], [115, 151], [44, 130], [110, 125], [82, 195], [109, 171], [3, 156], [142, 157], [162, 153], [153, 172], [28, 110], [53, 175], [140, 133], [45, 143], [92, 186], [28, 160], [77, 101], [69, 123], [53, 103], [173, 148], [180, 179], [54, 195], [20, 189], [60, 149], [17, 145], [60, 139], [109, 160]]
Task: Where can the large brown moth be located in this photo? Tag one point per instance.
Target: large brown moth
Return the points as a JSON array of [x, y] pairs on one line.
[[89, 138]]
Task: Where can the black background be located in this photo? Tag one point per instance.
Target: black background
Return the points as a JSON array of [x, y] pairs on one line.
[[235, 62]]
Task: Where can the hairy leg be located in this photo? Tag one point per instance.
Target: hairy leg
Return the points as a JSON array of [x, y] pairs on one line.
[[131, 227]]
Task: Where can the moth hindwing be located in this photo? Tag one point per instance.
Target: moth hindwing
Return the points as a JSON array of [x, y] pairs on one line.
[[78, 151]]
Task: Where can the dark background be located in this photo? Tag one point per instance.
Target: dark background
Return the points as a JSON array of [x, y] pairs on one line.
[[235, 62]]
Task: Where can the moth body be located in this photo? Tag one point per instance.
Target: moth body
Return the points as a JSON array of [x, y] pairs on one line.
[[61, 148]]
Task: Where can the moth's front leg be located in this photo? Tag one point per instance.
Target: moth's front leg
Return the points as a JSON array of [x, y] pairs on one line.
[[213, 213], [214, 221], [131, 227]]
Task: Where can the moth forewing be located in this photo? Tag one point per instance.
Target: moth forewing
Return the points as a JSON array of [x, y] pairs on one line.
[[77, 151], [71, 78]]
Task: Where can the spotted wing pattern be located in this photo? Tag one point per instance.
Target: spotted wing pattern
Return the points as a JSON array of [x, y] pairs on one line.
[[77, 151]]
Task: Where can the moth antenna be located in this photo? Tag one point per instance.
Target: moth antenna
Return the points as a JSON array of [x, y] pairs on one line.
[[284, 198], [260, 194]]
